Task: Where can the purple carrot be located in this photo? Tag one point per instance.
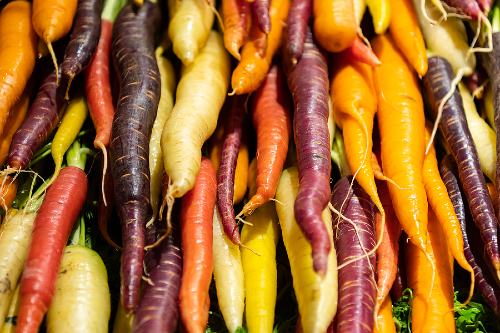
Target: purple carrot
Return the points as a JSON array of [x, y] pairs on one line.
[[453, 126], [133, 45], [260, 10], [43, 116], [158, 310], [308, 82], [354, 232], [466, 7], [83, 39], [233, 131], [398, 286], [484, 281], [296, 28]]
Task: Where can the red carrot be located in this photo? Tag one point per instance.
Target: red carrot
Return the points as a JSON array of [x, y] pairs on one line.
[[308, 82], [196, 225], [225, 175], [362, 53], [60, 208]]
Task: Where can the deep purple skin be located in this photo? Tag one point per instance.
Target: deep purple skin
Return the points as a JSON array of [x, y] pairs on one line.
[[467, 7], [296, 28], [484, 281], [43, 116], [453, 127], [260, 10], [233, 132], [308, 82], [158, 310], [491, 63], [133, 44], [84, 38], [357, 286]]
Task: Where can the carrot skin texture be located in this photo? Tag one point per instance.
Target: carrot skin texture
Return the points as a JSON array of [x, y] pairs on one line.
[[196, 226], [14, 121], [236, 18], [83, 39], [52, 19], [158, 310], [272, 122], [484, 282], [485, 5], [260, 10], [361, 52], [43, 116], [334, 24], [225, 175], [308, 82], [453, 127], [296, 30], [60, 208], [134, 57], [357, 286], [98, 87], [17, 54], [470, 7]]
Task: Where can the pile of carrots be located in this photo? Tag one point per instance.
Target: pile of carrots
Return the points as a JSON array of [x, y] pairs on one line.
[[249, 165]]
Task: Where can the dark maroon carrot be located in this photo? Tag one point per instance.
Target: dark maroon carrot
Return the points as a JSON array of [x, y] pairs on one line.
[[484, 282], [296, 28], [83, 39], [453, 126], [260, 10], [139, 92], [158, 310], [466, 7], [398, 286], [354, 232], [308, 82], [233, 131], [43, 116]]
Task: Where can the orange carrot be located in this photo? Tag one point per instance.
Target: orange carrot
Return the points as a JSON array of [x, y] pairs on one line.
[[8, 191], [405, 31], [252, 69], [52, 20], [441, 204], [237, 22], [384, 322], [14, 121], [354, 106], [17, 55], [401, 123], [334, 24], [271, 120], [432, 306], [196, 225]]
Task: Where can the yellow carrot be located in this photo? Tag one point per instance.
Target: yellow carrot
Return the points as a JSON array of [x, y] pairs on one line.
[[381, 14]]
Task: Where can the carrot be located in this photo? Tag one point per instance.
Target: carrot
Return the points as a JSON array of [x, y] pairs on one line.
[[445, 214], [271, 120], [123, 321], [432, 305], [10, 320], [359, 10], [260, 269], [97, 85], [225, 174], [405, 31], [296, 28], [260, 11], [14, 121], [308, 82], [43, 116], [158, 309], [165, 105], [189, 27], [334, 24], [384, 322], [60, 207], [17, 54], [193, 118], [83, 40], [52, 20], [253, 67], [228, 276], [354, 107], [362, 53], [387, 252], [402, 150], [8, 190], [453, 126], [133, 54], [316, 295], [354, 229], [382, 12], [485, 5], [469, 8], [104, 210], [237, 21], [196, 226]]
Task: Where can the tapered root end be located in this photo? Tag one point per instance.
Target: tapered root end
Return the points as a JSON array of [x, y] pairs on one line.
[[70, 79], [320, 263], [54, 60], [255, 202]]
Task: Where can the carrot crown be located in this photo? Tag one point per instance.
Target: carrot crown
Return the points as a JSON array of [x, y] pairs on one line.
[[77, 155]]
